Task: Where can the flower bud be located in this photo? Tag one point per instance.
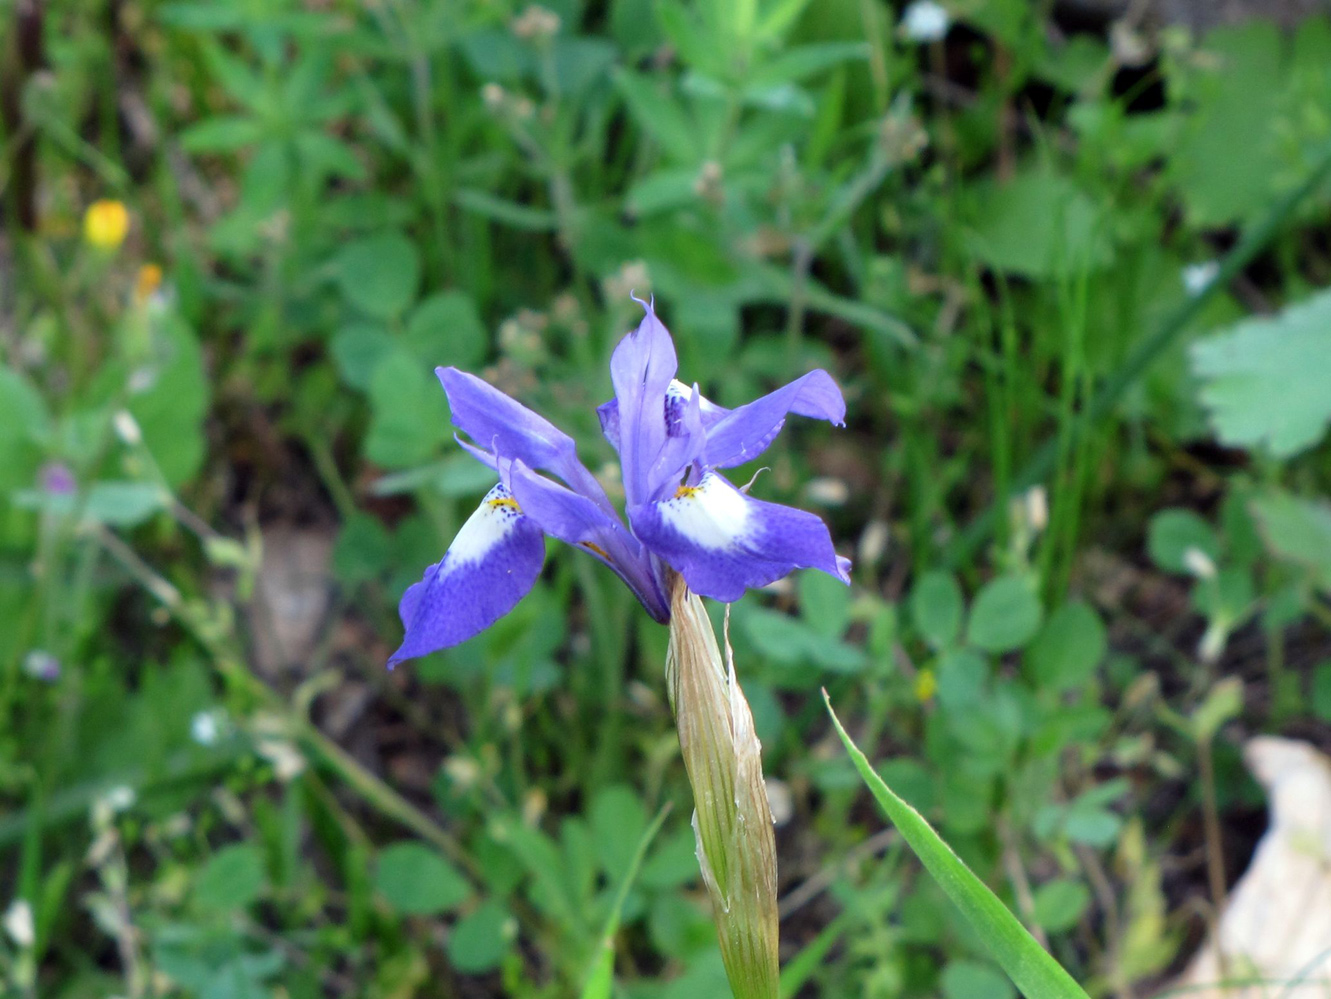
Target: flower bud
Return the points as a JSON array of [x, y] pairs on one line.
[[732, 819]]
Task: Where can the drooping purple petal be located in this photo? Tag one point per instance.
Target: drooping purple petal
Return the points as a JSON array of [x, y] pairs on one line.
[[501, 426], [641, 369], [723, 542], [489, 567], [744, 433], [577, 520]]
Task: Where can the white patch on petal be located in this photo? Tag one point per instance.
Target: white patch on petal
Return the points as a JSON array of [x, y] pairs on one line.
[[497, 515], [712, 514]]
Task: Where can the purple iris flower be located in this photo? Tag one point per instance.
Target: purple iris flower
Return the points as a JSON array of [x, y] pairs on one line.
[[682, 513]]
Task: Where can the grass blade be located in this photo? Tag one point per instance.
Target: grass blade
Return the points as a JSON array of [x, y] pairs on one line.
[[1028, 964], [601, 978]]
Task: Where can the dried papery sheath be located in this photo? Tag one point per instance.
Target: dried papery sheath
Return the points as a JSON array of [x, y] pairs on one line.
[[732, 819]]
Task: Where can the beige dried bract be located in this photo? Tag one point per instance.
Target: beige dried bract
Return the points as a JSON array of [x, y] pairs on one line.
[[732, 818]]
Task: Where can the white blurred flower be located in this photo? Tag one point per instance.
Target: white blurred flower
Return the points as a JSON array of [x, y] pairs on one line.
[[873, 542], [1199, 563], [19, 924], [925, 21], [827, 491], [1198, 277], [120, 798], [127, 428], [41, 665], [207, 727]]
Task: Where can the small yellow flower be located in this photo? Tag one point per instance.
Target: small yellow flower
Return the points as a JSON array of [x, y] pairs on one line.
[[149, 279], [106, 223], [926, 685]]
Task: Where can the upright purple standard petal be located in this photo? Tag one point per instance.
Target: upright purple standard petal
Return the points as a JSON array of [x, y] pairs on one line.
[[744, 433], [489, 567], [722, 542], [641, 369]]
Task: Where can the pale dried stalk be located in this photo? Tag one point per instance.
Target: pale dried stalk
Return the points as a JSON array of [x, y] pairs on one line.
[[731, 820]]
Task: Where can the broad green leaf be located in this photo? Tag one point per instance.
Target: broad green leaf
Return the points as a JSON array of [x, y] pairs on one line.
[[357, 349], [23, 422], [1059, 904], [1174, 533], [936, 607], [1005, 615], [124, 504], [824, 603], [481, 938], [1297, 530], [1264, 380], [963, 675], [408, 413], [1229, 152], [417, 881], [973, 979], [379, 274], [171, 412], [232, 878], [1039, 224], [1068, 648], [1030, 967], [446, 329]]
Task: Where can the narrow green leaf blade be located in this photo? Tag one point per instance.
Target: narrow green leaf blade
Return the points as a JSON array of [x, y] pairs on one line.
[[601, 977], [1028, 964]]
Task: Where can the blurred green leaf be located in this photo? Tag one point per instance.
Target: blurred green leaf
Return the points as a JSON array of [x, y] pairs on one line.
[[446, 329], [936, 607], [171, 410], [1068, 648], [357, 349], [222, 134], [1060, 904], [233, 878], [1264, 380], [124, 504], [660, 115], [1173, 533], [1321, 691], [23, 422], [379, 274], [481, 938], [409, 414], [972, 979], [1039, 224], [1005, 615], [416, 881], [1298, 531]]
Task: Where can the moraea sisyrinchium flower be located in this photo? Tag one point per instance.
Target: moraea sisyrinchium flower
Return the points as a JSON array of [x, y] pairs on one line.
[[683, 514]]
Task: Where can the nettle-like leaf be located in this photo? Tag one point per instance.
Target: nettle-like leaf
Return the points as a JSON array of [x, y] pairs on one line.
[[1264, 381]]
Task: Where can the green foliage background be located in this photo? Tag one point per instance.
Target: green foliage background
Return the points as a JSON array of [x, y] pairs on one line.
[[1068, 278]]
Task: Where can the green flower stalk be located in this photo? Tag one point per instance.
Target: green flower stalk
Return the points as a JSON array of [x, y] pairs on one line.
[[732, 819]]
